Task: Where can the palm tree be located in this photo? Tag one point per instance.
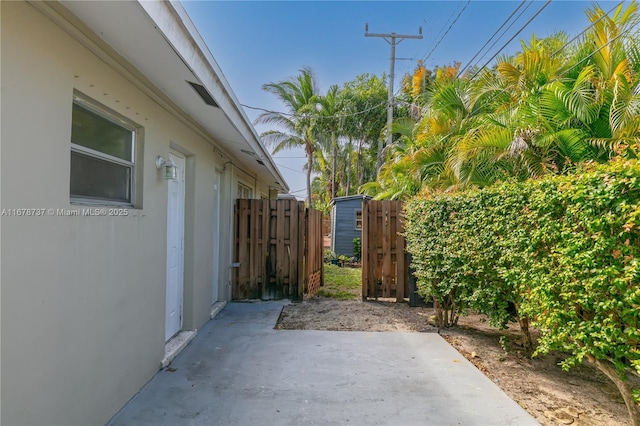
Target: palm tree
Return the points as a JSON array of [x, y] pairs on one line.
[[329, 122], [300, 96], [364, 102], [615, 55]]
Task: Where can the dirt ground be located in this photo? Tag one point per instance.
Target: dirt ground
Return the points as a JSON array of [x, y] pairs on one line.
[[581, 397]]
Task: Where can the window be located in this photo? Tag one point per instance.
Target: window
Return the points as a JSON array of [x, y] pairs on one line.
[[359, 219], [244, 191], [103, 148]]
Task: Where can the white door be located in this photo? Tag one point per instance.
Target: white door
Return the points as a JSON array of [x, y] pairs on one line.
[[216, 238], [175, 250]]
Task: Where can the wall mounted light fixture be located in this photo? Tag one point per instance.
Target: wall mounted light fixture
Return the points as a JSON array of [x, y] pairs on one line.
[[170, 169]]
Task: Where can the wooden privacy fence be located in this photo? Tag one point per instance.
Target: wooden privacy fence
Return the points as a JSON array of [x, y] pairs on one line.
[[384, 262], [278, 250]]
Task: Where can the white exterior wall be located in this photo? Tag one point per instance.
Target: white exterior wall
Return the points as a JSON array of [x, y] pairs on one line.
[[83, 298]]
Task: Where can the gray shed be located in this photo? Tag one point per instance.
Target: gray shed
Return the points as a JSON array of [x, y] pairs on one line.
[[346, 223]]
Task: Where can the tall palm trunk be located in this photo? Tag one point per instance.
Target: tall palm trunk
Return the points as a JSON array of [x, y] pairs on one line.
[[335, 164], [310, 150], [360, 165], [349, 167]]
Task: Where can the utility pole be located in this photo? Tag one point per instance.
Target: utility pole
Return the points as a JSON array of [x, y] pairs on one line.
[[393, 39]]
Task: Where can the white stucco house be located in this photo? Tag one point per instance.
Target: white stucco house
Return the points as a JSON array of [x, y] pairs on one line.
[[122, 151]]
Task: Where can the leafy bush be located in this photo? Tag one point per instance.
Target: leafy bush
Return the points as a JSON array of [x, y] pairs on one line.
[[438, 256], [357, 248], [329, 255], [585, 294], [462, 257], [563, 251]]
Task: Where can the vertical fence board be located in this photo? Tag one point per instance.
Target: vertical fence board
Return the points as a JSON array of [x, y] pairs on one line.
[[364, 249], [377, 247], [386, 249], [384, 272], [314, 262], [369, 252], [302, 244], [393, 239], [294, 239], [242, 245], [280, 209], [278, 246], [264, 246], [271, 273], [402, 282], [235, 250], [252, 246]]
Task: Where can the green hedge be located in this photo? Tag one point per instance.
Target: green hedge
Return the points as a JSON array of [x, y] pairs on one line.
[[562, 251]]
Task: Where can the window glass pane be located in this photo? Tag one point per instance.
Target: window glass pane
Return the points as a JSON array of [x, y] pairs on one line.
[[99, 179], [94, 131], [244, 191]]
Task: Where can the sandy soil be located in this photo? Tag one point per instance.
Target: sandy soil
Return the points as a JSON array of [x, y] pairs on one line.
[[580, 397]]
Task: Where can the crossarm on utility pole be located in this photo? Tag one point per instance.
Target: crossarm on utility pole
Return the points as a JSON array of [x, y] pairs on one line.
[[393, 39]]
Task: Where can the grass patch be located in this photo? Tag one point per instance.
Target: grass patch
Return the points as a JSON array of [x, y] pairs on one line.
[[341, 283]]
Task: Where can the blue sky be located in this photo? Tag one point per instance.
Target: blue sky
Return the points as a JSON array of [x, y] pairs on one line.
[[257, 42]]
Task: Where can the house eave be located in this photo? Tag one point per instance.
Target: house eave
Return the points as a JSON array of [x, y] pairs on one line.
[[156, 44]]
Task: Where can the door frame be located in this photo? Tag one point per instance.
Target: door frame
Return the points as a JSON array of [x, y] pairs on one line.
[[215, 279], [180, 162]]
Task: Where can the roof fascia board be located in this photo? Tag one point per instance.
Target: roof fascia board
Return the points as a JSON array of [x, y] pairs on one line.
[[77, 29], [175, 25]]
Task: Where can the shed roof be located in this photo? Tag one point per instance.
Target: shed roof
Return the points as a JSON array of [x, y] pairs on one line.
[[349, 198]]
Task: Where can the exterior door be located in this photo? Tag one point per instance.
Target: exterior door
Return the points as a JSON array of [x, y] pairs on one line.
[[175, 250], [216, 239]]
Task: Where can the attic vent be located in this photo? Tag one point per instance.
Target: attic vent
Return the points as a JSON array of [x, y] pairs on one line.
[[206, 97]]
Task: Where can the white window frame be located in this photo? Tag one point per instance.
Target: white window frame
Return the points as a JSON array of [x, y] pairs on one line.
[[355, 212], [242, 189], [136, 134]]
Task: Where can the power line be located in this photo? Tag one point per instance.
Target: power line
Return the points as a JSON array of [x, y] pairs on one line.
[[511, 39], [447, 32], [288, 114], [406, 69], [491, 38], [289, 168], [393, 39], [299, 190], [503, 34], [459, 14], [586, 29], [594, 52], [442, 29]]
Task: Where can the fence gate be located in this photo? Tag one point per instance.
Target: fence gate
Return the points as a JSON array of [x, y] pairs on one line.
[[384, 264], [278, 250]]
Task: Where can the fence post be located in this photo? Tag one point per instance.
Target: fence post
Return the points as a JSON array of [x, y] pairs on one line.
[[401, 265]]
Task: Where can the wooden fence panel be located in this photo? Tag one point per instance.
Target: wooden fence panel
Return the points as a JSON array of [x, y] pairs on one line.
[[314, 262], [276, 249], [384, 267], [243, 244], [300, 252]]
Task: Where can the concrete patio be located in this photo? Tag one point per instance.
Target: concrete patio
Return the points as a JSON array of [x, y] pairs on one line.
[[239, 370]]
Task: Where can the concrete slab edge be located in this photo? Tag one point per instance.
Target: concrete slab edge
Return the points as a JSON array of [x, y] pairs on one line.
[[216, 308], [174, 346]]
